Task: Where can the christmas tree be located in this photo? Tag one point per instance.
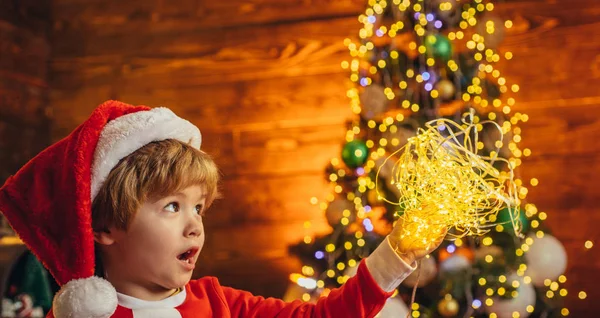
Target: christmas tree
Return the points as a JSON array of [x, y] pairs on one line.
[[414, 62]]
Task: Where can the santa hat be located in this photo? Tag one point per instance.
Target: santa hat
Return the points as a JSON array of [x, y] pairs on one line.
[[48, 202]]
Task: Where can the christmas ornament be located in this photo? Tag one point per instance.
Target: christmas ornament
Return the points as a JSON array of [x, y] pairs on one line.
[[546, 259], [504, 218], [448, 307], [337, 209], [373, 198], [454, 264], [439, 45], [445, 89], [505, 308], [355, 153], [373, 101], [428, 269], [491, 28], [394, 307]]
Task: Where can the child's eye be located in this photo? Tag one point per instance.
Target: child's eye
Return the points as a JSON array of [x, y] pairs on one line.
[[172, 207], [200, 209]]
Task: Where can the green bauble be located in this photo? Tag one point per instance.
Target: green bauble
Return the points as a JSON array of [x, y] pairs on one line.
[[504, 219], [355, 153], [439, 45]]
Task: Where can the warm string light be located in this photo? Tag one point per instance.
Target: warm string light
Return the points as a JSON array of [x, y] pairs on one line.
[[444, 183]]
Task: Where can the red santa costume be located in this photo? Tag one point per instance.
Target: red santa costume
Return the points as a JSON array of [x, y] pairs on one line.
[[48, 203]]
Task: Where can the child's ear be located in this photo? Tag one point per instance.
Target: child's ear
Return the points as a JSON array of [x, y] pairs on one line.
[[104, 237]]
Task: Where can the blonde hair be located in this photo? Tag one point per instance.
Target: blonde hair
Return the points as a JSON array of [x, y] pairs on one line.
[[158, 169]]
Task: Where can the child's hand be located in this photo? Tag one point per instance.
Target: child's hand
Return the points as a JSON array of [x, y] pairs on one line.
[[409, 243]]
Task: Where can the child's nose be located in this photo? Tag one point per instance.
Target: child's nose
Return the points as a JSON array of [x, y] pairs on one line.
[[194, 226]]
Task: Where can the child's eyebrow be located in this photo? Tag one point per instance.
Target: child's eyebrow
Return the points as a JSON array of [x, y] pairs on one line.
[[199, 197]]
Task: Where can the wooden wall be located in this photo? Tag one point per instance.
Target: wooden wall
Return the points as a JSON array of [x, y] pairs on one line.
[[263, 81], [24, 57]]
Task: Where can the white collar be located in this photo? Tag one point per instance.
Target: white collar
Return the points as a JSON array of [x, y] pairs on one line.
[[136, 303]]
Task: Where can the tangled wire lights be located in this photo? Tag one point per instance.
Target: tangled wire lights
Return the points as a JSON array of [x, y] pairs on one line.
[[445, 184]]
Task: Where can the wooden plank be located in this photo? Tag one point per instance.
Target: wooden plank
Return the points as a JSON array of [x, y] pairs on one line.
[[253, 105], [289, 151], [561, 127], [23, 55], [72, 107], [30, 15], [272, 200], [19, 142], [228, 46], [578, 255], [576, 224], [565, 182], [23, 104], [118, 17]]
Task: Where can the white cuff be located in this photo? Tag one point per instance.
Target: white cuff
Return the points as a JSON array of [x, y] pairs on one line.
[[387, 268]]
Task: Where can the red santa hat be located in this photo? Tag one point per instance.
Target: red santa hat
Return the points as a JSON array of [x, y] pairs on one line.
[[48, 201]]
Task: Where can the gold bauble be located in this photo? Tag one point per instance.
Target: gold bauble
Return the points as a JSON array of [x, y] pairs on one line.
[[448, 307], [446, 89], [373, 198]]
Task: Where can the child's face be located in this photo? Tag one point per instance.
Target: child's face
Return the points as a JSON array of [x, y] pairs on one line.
[[162, 244]]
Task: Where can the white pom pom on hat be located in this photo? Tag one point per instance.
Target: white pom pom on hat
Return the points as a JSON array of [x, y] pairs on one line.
[[91, 297], [48, 201]]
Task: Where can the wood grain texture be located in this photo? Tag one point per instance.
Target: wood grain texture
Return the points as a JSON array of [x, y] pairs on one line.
[[263, 82], [24, 57]]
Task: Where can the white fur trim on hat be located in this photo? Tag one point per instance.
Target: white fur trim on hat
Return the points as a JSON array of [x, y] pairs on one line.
[[91, 297], [124, 135]]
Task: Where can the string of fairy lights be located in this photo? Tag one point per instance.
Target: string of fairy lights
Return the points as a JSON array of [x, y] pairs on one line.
[[471, 35]]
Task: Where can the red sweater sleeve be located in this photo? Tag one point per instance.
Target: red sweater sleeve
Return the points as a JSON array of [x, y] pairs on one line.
[[360, 297]]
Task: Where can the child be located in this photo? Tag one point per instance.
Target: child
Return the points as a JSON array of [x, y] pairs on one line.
[[123, 197]]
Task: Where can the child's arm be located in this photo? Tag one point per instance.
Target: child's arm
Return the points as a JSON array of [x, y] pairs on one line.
[[363, 295]]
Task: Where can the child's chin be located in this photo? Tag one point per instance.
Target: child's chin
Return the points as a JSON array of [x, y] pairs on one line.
[[180, 281]]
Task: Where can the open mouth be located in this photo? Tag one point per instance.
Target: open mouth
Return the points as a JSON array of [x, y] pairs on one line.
[[188, 256]]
